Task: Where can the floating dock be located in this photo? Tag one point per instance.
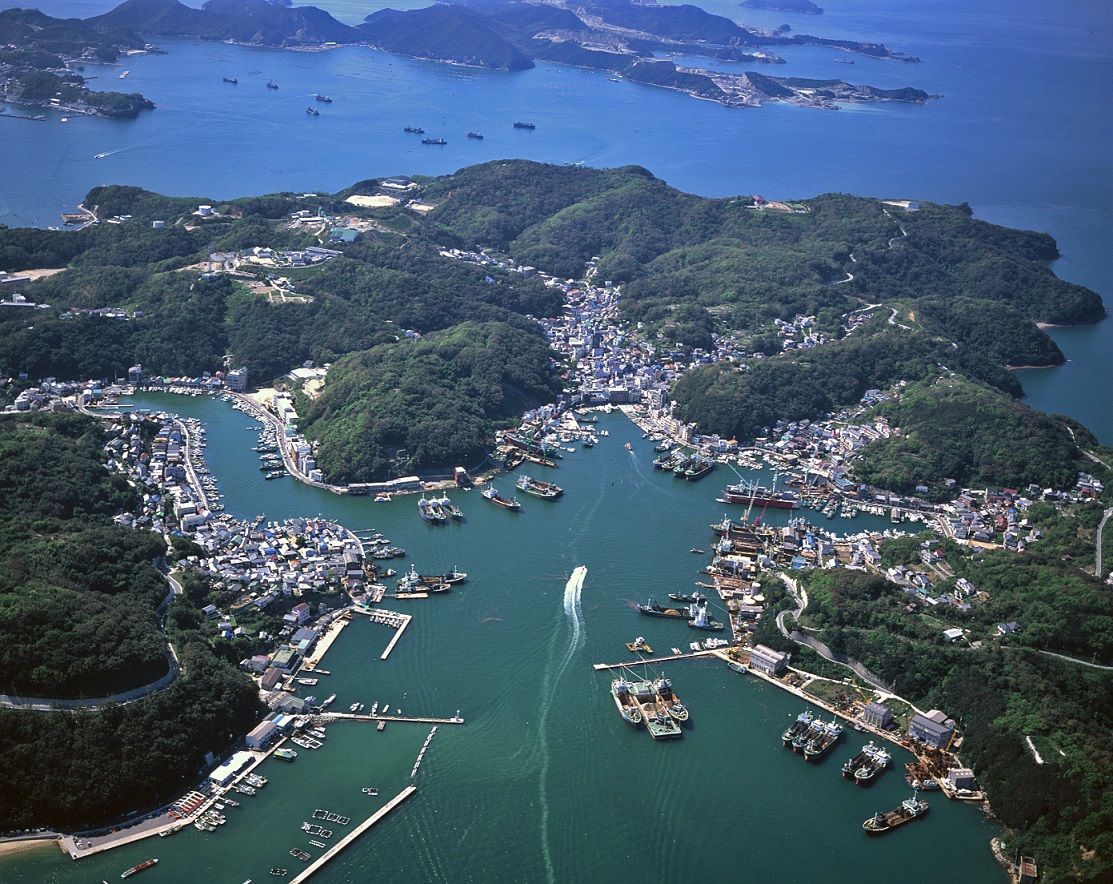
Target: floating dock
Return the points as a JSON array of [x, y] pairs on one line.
[[332, 852]]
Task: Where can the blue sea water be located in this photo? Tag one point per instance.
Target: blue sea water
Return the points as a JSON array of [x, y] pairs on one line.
[[1022, 131]]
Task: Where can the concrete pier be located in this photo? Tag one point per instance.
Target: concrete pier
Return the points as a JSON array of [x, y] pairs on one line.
[[354, 716], [601, 666], [333, 851]]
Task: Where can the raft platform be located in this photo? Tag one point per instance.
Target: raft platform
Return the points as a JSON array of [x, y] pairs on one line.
[[333, 851]]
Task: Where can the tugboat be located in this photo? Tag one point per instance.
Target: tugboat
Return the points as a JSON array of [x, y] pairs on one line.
[[909, 809], [667, 698], [537, 488], [627, 706], [491, 493]]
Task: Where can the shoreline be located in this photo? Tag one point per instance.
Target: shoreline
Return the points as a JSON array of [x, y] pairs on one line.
[[24, 845]]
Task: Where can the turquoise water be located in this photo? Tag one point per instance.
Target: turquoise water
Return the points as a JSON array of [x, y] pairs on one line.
[[544, 781]]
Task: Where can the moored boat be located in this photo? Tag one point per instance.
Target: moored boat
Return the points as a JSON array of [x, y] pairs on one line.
[[624, 700], [652, 609], [285, 754], [537, 488], [702, 621], [658, 722], [667, 699], [876, 760], [909, 809], [813, 729], [429, 512], [803, 720], [688, 598], [509, 503], [821, 743], [760, 496], [698, 468]]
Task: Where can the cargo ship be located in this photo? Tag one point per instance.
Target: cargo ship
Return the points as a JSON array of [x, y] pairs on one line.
[[813, 729], [820, 744], [531, 445], [433, 141], [909, 809], [509, 503], [138, 868], [323, 98], [537, 488], [697, 468], [520, 125], [430, 512], [760, 496], [867, 764], [803, 721], [417, 130], [652, 609], [476, 135]]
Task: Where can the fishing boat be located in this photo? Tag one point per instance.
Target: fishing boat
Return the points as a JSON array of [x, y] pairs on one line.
[[139, 868], [702, 621], [667, 699], [821, 743], [909, 809], [537, 488], [511, 503], [429, 512], [624, 700], [652, 609]]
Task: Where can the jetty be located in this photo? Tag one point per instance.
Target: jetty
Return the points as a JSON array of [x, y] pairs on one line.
[[335, 850], [387, 618], [359, 716], [626, 664]]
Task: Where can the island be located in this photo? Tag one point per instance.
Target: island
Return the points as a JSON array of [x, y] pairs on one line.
[[805, 6], [620, 37]]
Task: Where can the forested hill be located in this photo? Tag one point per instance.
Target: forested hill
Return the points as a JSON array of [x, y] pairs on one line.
[[701, 276]]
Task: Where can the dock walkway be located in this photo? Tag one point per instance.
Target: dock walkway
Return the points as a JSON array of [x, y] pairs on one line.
[[358, 716], [333, 851], [601, 666]]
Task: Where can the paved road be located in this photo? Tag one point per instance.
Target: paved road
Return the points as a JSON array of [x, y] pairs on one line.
[[1097, 562]]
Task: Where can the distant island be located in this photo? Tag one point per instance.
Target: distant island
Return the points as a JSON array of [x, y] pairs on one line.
[[805, 6], [619, 37]]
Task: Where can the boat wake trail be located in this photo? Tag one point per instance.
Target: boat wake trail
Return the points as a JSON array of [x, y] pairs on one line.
[[572, 610]]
